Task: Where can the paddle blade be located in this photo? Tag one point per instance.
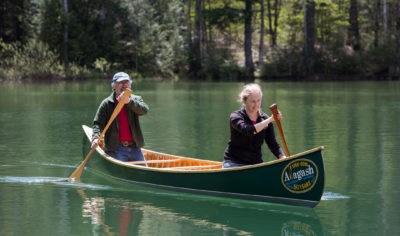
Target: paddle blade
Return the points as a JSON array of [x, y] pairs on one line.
[[78, 172]]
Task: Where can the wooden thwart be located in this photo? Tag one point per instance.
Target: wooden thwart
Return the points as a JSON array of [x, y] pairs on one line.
[[177, 164], [154, 161]]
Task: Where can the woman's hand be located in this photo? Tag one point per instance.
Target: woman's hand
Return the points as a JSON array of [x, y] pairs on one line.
[[278, 117]]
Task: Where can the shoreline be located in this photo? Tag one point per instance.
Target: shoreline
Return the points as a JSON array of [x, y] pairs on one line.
[[311, 78]]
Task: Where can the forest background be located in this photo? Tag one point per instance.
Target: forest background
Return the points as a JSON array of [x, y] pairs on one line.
[[219, 40]]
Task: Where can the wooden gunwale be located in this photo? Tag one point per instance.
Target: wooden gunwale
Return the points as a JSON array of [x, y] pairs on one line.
[[173, 169], [179, 170]]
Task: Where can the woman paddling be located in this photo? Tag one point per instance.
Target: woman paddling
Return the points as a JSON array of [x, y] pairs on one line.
[[250, 127]]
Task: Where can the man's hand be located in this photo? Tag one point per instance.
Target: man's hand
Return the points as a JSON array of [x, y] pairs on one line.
[[120, 98], [95, 143]]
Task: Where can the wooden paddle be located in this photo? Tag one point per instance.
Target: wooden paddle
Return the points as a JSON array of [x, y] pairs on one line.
[[274, 110], [78, 172]]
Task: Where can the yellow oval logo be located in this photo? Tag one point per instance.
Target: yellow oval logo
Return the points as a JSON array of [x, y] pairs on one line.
[[300, 176]]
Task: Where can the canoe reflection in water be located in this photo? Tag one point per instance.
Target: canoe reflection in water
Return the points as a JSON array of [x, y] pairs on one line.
[[94, 209], [143, 212]]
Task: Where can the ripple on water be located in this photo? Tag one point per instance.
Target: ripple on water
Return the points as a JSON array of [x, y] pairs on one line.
[[50, 180], [333, 196]]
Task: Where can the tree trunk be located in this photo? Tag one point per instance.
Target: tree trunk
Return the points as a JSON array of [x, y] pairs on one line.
[[273, 19], [189, 25], [277, 7], [397, 70], [271, 31], [354, 35], [248, 15], [261, 46], [377, 28], [182, 16], [65, 52], [204, 35], [196, 61], [323, 11], [385, 21], [102, 24], [210, 31], [309, 35]]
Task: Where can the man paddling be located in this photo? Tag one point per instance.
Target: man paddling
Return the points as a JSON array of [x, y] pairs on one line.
[[124, 139]]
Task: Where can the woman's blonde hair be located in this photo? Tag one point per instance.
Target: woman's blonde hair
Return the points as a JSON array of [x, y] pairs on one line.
[[247, 90]]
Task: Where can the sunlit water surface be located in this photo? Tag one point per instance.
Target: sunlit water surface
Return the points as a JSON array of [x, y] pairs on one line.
[[41, 145]]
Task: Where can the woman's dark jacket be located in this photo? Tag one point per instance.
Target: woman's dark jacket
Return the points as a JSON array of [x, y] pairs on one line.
[[244, 146], [134, 109]]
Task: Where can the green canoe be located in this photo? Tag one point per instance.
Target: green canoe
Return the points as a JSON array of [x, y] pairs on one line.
[[297, 180]]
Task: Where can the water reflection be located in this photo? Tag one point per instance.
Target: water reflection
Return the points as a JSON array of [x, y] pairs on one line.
[[112, 208], [145, 212], [357, 122], [108, 207]]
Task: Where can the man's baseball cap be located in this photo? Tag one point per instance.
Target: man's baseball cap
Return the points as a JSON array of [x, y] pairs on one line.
[[121, 76]]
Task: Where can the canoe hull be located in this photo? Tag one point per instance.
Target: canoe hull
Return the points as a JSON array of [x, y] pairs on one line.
[[298, 180]]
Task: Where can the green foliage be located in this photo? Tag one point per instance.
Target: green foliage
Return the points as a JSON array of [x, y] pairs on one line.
[[288, 62], [340, 61], [158, 44], [219, 64], [33, 59], [380, 59], [282, 63], [52, 30], [18, 19], [151, 38], [102, 65], [223, 17], [96, 29]]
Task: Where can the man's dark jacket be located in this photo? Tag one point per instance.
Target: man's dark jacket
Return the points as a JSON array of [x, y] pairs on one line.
[[135, 108]]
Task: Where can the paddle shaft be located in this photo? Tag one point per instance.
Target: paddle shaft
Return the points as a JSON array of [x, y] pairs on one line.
[[274, 110], [78, 172]]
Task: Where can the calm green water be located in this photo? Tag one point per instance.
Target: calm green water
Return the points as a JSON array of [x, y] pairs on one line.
[[41, 145]]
